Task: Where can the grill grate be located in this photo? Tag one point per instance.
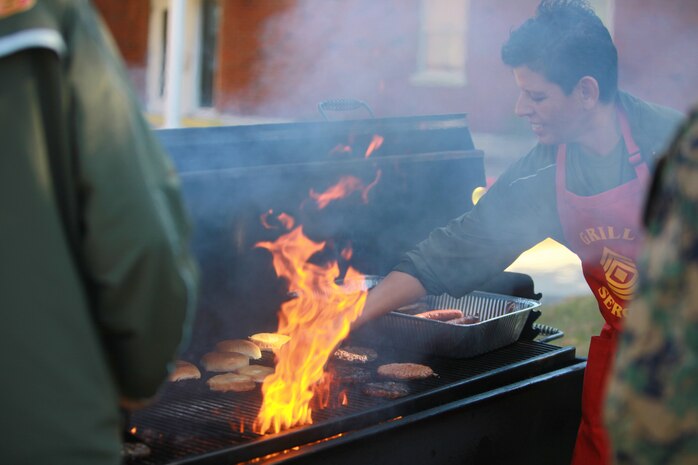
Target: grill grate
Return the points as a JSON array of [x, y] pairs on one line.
[[190, 421]]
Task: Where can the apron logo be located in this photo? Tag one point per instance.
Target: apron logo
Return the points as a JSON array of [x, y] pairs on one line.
[[621, 273], [11, 7], [605, 233]]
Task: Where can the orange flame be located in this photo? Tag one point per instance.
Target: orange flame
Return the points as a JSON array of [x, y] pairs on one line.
[[375, 144], [295, 448], [345, 186], [264, 218], [347, 253], [316, 321], [341, 148], [364, 193], [321, 392], [286, 220], [343, 399]]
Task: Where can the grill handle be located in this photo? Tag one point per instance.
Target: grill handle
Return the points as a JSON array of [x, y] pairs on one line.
[[538, 332], [342, 104], [548, 333]]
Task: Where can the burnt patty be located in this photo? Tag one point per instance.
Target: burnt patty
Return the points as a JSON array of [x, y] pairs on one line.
[[386, 389], [355, 354], [348, 374]]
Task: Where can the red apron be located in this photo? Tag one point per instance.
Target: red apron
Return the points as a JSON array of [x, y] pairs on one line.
[[604, 231]]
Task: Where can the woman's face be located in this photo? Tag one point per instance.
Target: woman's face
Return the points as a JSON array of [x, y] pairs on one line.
[[555, 117]]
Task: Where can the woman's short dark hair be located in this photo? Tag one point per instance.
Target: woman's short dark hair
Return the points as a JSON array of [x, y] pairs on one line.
[[564, 42]]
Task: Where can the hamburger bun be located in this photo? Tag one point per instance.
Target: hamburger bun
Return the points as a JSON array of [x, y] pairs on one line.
[[230, 382], [224, 361], [269, 341], [184, 370], [257, 372], [240, 346]]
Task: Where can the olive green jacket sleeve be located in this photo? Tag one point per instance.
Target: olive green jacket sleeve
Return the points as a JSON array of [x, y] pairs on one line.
[[517, 212], [134, 229]]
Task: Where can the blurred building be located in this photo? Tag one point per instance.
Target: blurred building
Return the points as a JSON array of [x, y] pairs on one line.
[[279, 58]]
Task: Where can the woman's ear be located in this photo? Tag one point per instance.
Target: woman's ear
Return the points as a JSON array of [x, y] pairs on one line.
[[588, 91]]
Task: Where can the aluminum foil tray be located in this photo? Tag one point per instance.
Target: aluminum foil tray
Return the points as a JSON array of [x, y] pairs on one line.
[[502, 319]]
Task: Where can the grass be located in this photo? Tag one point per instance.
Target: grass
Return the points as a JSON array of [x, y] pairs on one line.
[[578, 317]]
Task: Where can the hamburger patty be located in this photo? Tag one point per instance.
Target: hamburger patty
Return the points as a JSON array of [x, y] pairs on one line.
[[386, 389], [355, 354], [349, 374], [405, 371]]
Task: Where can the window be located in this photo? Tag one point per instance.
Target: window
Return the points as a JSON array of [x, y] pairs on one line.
[[209, 45], [442, 51], [163, 51], [200, 39], [157, 54]]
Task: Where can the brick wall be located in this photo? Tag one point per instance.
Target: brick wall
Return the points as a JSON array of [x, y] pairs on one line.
[[279, 58], [127, 21], [241, 51], [657, 42]]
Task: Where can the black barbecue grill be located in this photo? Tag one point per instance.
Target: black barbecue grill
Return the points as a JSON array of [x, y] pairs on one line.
[[232, 176], [516, 404], [191, 424]]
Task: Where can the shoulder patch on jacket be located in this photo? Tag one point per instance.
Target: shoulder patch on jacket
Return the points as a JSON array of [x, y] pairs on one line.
[[11, 7]]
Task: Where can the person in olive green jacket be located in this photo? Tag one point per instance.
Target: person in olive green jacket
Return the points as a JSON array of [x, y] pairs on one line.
[[96, 280]]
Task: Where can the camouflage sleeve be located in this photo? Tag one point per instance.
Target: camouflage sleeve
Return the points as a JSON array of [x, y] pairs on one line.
[[652, 404]]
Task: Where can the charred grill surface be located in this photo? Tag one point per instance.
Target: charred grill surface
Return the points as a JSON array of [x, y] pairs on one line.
[[191, 424]]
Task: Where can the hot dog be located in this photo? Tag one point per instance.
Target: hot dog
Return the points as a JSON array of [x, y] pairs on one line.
[[441, 315], [465, 320]]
